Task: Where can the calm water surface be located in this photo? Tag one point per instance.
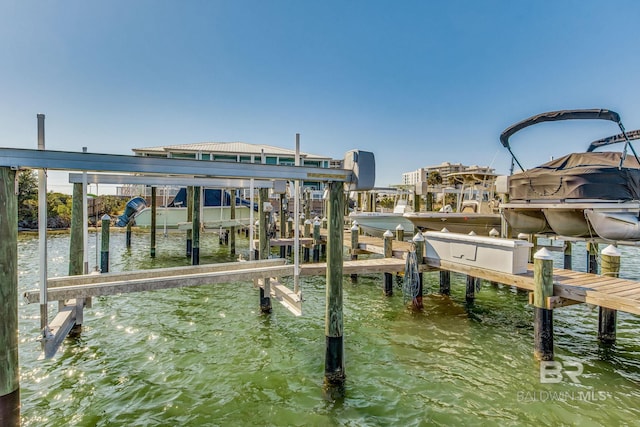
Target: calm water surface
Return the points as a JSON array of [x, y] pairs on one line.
[[206, 356]]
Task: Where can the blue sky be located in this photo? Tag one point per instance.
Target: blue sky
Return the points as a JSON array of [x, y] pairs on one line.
[[416, 82]]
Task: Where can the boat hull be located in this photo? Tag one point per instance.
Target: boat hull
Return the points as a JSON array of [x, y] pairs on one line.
[[480, 224], [615, 225], [605, 220], [212, 216], [528, 221], [377, 223]]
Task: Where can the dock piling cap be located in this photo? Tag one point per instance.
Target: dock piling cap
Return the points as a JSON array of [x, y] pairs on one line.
[[106, 217], [419, 237], [399, 227], [543, 254], [355, 226], [388, 233], [611, 251]]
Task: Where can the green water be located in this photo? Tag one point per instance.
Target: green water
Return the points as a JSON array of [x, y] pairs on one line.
[[206, 356]]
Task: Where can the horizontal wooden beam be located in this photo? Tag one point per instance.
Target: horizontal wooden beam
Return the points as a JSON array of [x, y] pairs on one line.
[[159, 272], [158, 283]]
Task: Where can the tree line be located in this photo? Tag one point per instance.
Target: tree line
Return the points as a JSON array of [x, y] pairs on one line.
[[58, 204]]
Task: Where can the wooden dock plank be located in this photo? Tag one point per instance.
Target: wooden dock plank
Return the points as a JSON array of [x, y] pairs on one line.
[[617, 286]]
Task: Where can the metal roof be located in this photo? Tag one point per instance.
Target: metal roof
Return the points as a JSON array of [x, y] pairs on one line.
[[227, 148]]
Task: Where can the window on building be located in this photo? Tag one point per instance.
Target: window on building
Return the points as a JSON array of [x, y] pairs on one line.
[[224, 158], [183, 155]]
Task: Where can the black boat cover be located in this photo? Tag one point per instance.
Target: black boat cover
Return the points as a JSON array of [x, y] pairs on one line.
[[593, 175]]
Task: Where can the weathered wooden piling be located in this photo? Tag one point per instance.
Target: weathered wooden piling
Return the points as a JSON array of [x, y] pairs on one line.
[[445, 282], [265, 291], [154, 219], [290, 227], [470, 294], [307, 233], [76, 249], [42, 231], [543, 320], [388, 253], [76, 241], [568, 265], [334, 373], [607, 317], [355, 232], [104, 244], [195, 225], [189, 219], [128, 235], [232, 230], [282, 224], [419, 242], [9, 363], [592, 248], [533, 239], [316, 240], [399, 233]]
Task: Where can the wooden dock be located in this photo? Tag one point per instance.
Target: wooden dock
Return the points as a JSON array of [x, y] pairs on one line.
[[570, 287]]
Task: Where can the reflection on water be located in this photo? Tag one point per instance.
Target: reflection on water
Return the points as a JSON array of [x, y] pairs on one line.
[[206, 356]]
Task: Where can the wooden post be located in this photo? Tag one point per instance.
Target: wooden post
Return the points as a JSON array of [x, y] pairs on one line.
[[264, 245], [154, 213], [543, 289], [290, 227], [128, 235], [400, 233], [419, 242], [307, 234], [606, 316], [316, 240], [593, 257], [416, 201], [355, 232], [334, 373], [189, 219], [307, 204], [567, 255], [76, 249], [388, 253], [232, 230], [470, 294], [9, 363], [445, 282], [195, 225], [104, 251], [429, 206], [283, 224], [533, 239]]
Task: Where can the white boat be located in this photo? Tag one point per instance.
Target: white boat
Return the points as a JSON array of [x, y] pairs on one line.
[[583, 195], [477, 209], [215, 213], [212, 217], [376, 223]]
